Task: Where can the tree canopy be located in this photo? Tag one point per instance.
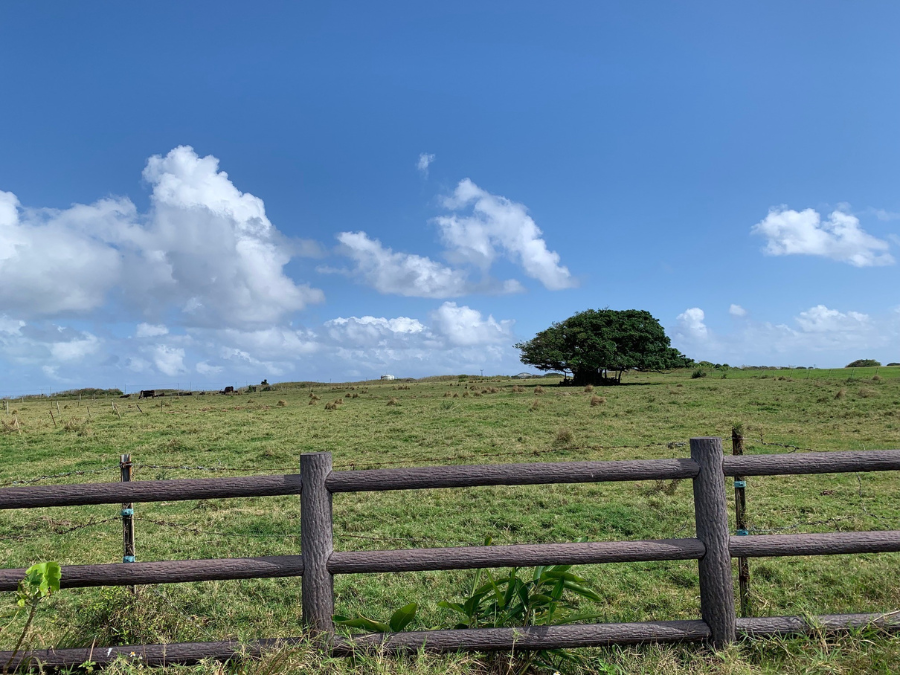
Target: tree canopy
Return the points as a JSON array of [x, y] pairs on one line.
[[596, 342], [863, 363]]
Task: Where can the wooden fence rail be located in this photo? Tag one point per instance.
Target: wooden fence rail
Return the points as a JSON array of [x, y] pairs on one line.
[[712, 547]]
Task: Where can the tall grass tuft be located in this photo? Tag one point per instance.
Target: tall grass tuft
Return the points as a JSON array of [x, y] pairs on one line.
[[538, 390], [597, 400], [565, 436], [841, 394], [588, 389]]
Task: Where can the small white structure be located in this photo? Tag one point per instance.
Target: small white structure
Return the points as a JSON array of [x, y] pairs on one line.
[[387, 377], [524, 376]]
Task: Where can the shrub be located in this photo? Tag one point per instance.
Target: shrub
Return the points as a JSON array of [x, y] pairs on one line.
[[698, 373], [597, 400], [863, 363], [894, 363], [565, 436]]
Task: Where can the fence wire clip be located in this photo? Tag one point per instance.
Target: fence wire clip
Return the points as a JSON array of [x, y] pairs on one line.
[[127, 558], [742, 533], [740, 483], [127, 512]]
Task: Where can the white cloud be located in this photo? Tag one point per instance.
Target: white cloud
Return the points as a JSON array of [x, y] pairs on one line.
[[465, 326], [737, 310], [840, 237], [691, 325], [401, 273], [498, 223], [75, 350], [205, 368], [149, 330], [373, 331], [169, 360], [204, 248], [425, 160], [49, 265], [818, 333], [11, 326], [820, 319]]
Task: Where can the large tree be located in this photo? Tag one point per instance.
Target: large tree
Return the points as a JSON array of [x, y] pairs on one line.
[[592, 344]]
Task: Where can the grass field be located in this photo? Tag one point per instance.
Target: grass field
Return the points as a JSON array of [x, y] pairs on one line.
[[444, 422]]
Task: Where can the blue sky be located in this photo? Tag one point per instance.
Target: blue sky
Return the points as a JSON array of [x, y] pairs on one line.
[[411, 189]]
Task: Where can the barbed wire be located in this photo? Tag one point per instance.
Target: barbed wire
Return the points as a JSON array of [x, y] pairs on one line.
[[39, 535], [37, 479], [792, 448], [213, 533], [184, 467], [362, 465]]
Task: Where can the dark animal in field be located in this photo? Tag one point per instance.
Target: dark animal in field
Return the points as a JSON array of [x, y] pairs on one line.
[[147, 393], [228, 390]]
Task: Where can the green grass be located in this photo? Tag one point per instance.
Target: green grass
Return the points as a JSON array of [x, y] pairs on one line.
[[651, 416]]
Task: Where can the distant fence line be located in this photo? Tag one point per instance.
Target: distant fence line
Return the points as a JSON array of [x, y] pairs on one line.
[[713, 548]]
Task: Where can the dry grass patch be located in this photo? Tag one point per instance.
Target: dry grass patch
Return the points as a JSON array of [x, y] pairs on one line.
[[392, 401], [597, 400], [564, 436], [538, 390], [588, 389], [281, 403]]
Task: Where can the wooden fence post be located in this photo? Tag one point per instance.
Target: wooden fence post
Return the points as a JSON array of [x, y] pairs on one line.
[[711, 515], [316, 543], [126, 467], [740, 522]]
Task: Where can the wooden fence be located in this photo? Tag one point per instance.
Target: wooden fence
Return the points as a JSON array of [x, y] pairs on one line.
[[713, 548]]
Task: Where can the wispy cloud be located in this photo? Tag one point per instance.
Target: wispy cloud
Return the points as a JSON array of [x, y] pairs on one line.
[[425, 160]]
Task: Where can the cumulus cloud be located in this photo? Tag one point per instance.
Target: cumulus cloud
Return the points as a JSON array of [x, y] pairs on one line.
[[149, 330], [425, 160], [373, 331], [402, 273], [50, 345], [497, 225], [839, 237], [691, 326], [205, 368], [830, 333], [49, 265], [169, 360], [465, 326], [205, 248], [820, 319], [737, 310], [481, 228]]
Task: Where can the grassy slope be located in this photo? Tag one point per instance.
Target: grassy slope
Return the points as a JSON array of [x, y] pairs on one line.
[[650, 417]]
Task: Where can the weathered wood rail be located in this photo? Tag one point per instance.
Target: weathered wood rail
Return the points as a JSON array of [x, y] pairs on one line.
[[713, 548]]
